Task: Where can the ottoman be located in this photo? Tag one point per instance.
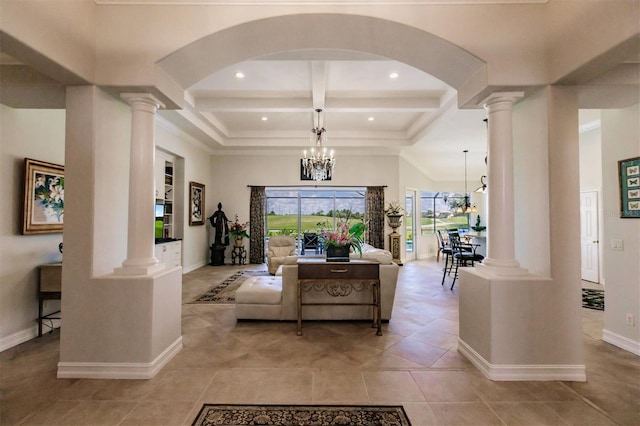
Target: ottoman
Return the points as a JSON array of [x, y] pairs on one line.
[[259, 298]]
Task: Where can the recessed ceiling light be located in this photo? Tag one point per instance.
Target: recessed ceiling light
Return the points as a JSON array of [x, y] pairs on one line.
[[239, 75], [371, 118], [265, 119], [393, 75]]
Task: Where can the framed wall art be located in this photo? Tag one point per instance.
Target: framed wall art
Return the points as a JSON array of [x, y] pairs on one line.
[[629, 174], [196, 204], [43, 208]]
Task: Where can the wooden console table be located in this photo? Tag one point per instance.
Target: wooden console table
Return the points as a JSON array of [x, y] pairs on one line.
[[49, 288], [339, 279]]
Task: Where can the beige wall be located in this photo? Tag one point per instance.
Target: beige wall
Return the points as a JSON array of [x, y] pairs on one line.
[[37, 134], [620, 140]]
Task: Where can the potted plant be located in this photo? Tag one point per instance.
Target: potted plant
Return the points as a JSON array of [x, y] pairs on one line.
[[394, 212], [338, 243], [238, 231]]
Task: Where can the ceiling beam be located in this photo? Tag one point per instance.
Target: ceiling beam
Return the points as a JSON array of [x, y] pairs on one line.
[[318, 83], [399, 104]]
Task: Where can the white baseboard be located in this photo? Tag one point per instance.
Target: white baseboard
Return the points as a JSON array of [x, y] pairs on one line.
[[503, 372], [16, 338], [622, 342], [101, 370]]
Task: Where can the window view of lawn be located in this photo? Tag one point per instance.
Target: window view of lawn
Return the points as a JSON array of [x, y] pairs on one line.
[[295, 211]]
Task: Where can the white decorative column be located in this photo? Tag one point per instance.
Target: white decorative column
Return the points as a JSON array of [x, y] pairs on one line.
[[140, 238], [500, 219]]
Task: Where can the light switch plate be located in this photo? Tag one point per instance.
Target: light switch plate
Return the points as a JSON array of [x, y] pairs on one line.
[[617, 244]]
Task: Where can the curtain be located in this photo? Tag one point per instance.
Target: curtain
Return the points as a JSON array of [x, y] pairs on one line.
[[256, 224], [374, 200]]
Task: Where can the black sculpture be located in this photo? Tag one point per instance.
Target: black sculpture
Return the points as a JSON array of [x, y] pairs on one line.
[[220, 224]]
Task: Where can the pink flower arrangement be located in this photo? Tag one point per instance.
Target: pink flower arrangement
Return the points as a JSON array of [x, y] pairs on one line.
[[345, 234]]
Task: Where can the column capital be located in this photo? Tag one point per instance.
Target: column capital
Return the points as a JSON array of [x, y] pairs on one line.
[[499, 97], [142, 100]]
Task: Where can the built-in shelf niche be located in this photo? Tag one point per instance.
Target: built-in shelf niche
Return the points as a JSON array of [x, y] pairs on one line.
[[165, 195]]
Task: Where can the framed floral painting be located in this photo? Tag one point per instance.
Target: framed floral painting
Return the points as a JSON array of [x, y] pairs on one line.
[[196, 204], [43, 211]]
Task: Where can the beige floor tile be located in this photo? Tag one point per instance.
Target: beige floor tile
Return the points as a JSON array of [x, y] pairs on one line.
[[526, 414], [158, 413], [436, 338], [504, 391], [453, 360], [181, 385], [122, 390], [338, 386], [420, 414], [390, 361], [579, 414], [234, 386], [417, 351], [264, 361], [447, 386], [391, 386], [98, 413], [285, 387], [48, 415], [464, 413]]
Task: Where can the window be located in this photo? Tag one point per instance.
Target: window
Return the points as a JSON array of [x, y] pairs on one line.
[[297, 211], [409, 208], [439, 211]]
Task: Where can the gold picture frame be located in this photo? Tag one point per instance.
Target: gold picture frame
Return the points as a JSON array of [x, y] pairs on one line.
[[43, 208], [196, 204]]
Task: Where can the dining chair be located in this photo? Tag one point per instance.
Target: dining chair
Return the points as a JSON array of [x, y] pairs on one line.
[[444, 248], [463, 255]]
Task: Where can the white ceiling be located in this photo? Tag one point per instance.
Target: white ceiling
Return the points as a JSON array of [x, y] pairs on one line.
[[365, 111]]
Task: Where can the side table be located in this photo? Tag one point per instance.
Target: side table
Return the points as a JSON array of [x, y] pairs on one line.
[[240, 254], [339, 279], [49, 288]]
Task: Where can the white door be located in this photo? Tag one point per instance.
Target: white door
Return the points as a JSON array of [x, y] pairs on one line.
[[589, 243]]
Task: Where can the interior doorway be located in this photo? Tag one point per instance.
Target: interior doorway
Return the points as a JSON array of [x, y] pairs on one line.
[[589, 236]]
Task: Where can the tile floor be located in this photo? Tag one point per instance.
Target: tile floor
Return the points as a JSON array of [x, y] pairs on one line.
[[415, 363]]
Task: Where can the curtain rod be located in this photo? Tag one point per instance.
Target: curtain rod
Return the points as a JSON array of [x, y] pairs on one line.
[[314, 186]]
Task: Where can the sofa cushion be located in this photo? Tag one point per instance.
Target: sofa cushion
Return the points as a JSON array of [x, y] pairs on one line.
[[260, 290], [372, 253], [290, 260], [281, 251]]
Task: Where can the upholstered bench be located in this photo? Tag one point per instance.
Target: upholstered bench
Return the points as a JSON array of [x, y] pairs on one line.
[[259, 298]]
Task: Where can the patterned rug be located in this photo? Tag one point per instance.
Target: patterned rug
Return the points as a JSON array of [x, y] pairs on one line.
[[298, 415], [225, 292], [593, 299]]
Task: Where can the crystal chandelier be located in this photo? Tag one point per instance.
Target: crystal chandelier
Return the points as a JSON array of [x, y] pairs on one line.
[[319, 165]]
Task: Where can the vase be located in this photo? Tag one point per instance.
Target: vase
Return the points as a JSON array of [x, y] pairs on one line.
[[338, 253], [395, 221], [238, 242]]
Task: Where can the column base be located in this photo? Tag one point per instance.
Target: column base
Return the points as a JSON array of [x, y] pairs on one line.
[[501, 268], [139, 267], [520, 327]]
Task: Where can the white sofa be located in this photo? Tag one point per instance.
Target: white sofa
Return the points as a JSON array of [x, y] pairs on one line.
[[257, 297]]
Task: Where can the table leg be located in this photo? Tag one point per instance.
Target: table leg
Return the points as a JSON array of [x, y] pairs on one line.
[[40, 308], [299, 332], [378, 310]]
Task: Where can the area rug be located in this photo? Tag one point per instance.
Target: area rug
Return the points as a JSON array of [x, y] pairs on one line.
[[298, 415], [593, 299], [225, 291]]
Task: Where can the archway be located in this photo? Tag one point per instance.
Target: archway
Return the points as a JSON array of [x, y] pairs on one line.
[[427, 52]]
